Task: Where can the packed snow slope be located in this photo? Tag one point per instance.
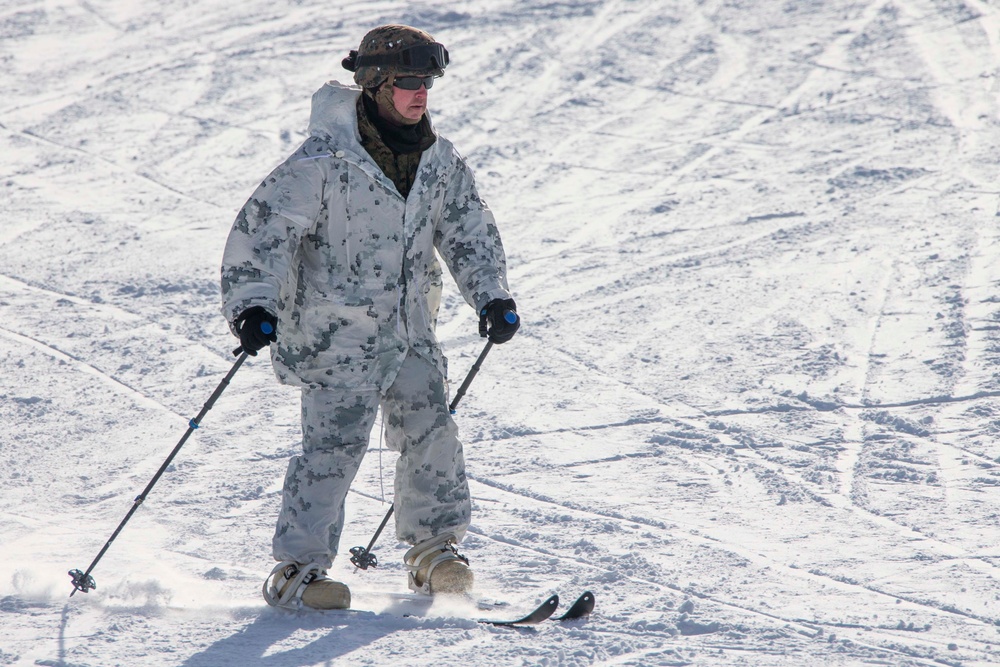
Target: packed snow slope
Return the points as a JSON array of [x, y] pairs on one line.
[[756, 398]]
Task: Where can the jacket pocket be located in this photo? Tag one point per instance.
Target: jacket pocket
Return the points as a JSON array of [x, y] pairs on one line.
[[342, 326]]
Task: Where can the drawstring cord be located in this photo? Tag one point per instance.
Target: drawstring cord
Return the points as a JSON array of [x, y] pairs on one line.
[[381, 476], [399, 311]]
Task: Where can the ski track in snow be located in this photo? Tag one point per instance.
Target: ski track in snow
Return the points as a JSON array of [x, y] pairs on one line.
[[753, 406]]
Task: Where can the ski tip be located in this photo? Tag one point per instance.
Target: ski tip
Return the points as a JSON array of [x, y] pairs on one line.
[[582, 607], [539, 615]]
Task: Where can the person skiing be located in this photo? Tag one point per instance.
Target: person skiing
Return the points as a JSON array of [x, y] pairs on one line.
[[332, 263]]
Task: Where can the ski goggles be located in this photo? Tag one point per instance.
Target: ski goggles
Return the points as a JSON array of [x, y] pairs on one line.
[[413, 82], [418, 58]]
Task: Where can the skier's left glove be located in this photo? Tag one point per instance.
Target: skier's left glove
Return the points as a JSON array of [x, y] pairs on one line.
[[498, 320]]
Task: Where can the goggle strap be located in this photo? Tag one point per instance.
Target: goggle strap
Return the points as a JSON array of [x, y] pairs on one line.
[[369, 61]]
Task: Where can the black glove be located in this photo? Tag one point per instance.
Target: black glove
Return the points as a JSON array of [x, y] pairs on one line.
[[258, 329], [498, 320]]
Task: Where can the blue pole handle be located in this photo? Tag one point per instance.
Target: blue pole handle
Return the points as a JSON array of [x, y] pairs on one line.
[[510, 316], [265, 327]]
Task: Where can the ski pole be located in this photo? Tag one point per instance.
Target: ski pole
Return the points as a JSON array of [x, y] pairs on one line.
[[362, 557], [83, 581], [468, 378], [511, 317]]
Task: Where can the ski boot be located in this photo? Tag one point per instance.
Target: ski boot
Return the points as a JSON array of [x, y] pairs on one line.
[[292, 585], [436, 567]]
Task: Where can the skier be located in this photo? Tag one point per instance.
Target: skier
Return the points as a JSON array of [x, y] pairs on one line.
[[331, 263]]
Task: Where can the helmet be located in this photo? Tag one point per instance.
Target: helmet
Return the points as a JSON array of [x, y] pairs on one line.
[[395, 49]]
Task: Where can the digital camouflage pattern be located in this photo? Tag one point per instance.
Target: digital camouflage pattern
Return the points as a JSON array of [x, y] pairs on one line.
[[348, 266], [329, 246], [431, 490]]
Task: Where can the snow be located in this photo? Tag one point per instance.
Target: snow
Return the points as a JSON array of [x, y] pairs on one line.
[[753, 407]]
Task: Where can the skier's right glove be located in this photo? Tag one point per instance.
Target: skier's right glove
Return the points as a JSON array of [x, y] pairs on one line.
[[498, 320], [257, 328]]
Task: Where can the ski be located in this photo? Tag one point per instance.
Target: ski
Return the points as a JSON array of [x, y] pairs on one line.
[[539, 615], [582, 607]]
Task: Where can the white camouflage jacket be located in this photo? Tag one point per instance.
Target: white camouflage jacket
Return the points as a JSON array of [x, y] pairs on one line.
[[328, 245]]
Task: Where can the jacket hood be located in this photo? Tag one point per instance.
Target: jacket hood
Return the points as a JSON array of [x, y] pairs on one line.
[[333, 112]]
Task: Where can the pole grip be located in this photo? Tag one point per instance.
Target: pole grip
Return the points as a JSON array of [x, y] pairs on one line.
[[265, 327], [509, 316]]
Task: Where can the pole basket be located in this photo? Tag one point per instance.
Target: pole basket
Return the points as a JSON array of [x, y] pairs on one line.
[[363, 558], [82, 582]]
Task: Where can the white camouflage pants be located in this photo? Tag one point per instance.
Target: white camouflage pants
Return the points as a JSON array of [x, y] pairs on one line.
[[431, 490]]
